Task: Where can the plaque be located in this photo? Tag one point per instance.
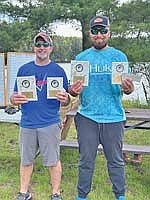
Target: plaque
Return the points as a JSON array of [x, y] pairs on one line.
[[27, 86], [135, 77], [80, 71], [54, 85], [119, 68]]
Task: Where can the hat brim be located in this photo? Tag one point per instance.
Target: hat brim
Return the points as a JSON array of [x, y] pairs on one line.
[[42, 37], [98, 24]]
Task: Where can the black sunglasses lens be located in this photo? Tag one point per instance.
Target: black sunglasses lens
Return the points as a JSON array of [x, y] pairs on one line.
[[96, 31], [44, 44], [37, 44], [104, 31]]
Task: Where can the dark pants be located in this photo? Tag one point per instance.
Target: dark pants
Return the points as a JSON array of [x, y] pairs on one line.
[[90, 135]]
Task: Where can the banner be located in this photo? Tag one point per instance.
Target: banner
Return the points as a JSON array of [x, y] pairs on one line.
[[14, 61]]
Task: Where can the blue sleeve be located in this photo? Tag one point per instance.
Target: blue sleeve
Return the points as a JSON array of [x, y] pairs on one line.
[[65, 81], [15, 86]]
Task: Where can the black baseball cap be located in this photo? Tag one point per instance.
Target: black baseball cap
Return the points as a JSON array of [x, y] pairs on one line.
[[99, 21]]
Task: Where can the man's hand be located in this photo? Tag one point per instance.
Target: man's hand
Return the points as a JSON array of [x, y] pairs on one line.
[[127, 86], [76, 88], [63, 97], [17, 99]]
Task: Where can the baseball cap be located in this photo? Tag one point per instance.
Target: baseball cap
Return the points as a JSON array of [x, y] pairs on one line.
[[44, 36], [99, 21]]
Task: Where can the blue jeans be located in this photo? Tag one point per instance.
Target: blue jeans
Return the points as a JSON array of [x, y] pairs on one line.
[[90, 135]]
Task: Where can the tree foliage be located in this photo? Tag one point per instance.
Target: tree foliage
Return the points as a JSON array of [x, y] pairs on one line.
[[66, 48], [46, 11], [130, 23], [131, 29], [15, 36]]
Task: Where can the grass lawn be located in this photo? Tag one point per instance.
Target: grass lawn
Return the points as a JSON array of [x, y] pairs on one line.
[[137, 176]]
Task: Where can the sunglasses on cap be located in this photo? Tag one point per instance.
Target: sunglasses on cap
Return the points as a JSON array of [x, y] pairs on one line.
[[95, 31], [44, 44]]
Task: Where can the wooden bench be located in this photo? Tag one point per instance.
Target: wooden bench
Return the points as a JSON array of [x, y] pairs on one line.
[[141, 120], [136, 149], [136, 114], [142, 125]]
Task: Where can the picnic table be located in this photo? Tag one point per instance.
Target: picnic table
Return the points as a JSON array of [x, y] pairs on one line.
[[138, 116], [136, 119], [140, 119]]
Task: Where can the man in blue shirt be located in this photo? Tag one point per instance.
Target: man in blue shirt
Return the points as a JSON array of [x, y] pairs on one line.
[[40, 121], [100, 118]]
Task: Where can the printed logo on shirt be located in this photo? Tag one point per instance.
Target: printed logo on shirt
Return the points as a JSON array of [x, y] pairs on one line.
[[96, 69], [41, 83]]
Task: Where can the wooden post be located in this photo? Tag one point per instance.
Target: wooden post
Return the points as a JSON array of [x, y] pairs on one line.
[[6, 101]]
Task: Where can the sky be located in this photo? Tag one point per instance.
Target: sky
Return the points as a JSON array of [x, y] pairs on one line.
[[67, 29]]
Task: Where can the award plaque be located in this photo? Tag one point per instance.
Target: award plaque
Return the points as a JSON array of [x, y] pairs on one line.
[[118, 68], [80, 71], [27, 86], [54, 85], [135, 77]]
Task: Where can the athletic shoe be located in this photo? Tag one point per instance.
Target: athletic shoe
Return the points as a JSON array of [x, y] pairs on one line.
[[79, 198], [24, 196], [56, 197], [121, 198]]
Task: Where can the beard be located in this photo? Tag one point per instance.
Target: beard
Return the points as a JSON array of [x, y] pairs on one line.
[[42, 57], [99, 45]]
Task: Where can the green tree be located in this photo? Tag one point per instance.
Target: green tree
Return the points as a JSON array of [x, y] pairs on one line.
[[65, 48], [15, 36], [131, 29], [83, 11], [130, 22], [46, 11]]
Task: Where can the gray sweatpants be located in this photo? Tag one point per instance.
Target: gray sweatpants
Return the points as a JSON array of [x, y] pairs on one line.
[[90, 135]]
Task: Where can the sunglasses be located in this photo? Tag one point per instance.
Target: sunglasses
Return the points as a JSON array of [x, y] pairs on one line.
[[95, 31], [44, 44]]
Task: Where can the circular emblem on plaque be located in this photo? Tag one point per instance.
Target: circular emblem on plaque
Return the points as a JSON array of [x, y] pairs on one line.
[[54, 83], [120, 68], [26, 83], [79, 68]]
